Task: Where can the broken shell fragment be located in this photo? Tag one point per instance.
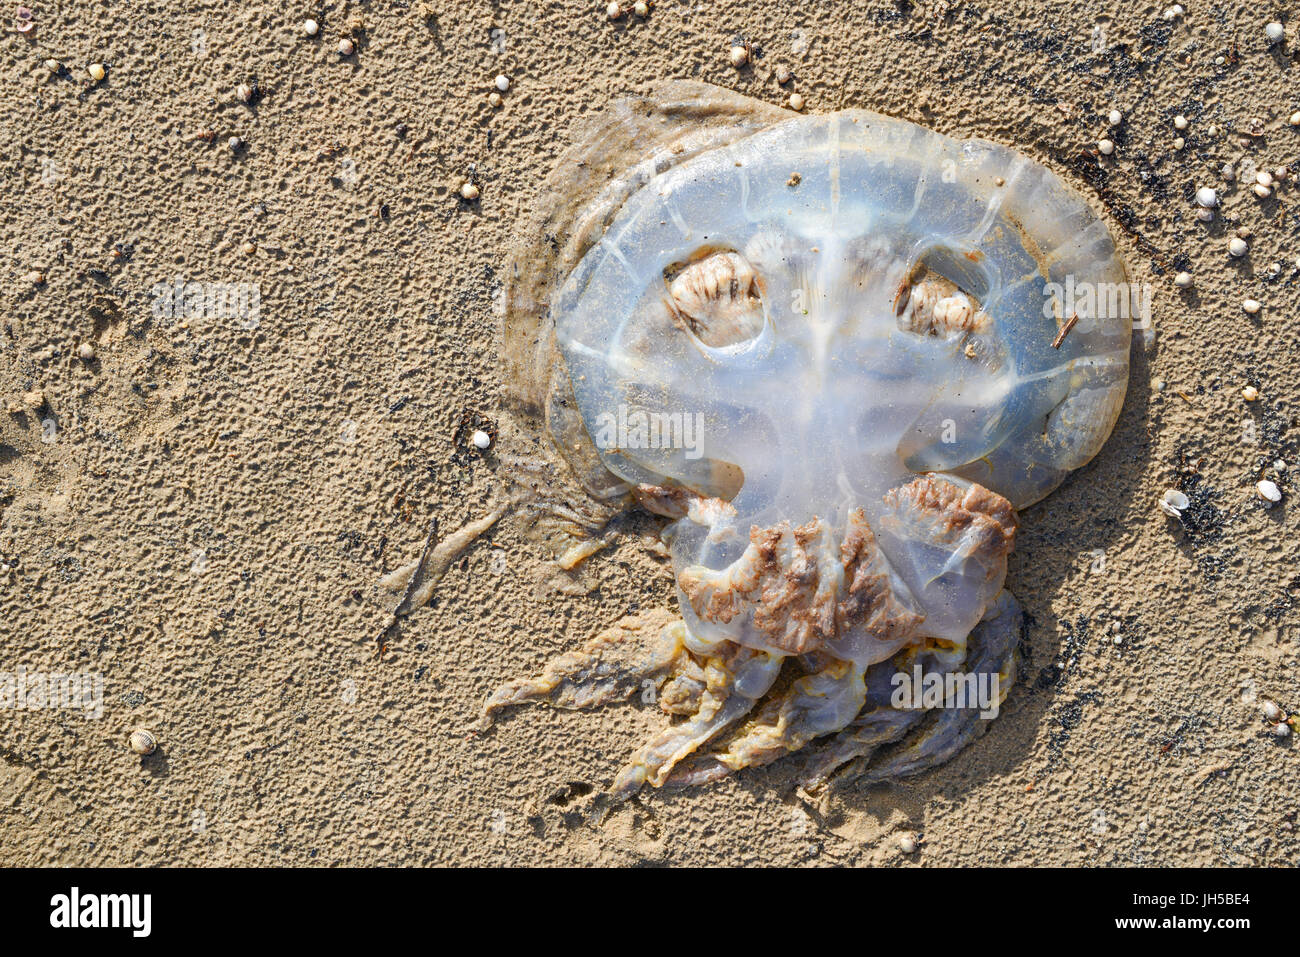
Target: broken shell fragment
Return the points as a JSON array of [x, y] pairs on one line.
[[1173, 502]]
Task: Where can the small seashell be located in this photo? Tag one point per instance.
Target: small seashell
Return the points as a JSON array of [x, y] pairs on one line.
[[96, 71], [234, 143], [1269, 491], [796, 102], [53, 65], [1281, 173], [1115, 118], [481, 439], [1282, 729], [739, 55], [907, 843], [1274, 31], [1271, 711], [244, 92], [1264, 178], [143, 742], [1183, 280], [248, 248], [1105, 147], [502, 82], [494, 99], [24, 18], [1179, 142], [1228, 173], [1206, 196], [310, 27], [347, 47], [1180, 122], [641, 8], [1295, 118], [1237, 246], [1205, 215], [1263, 192], [1173, 502], [469, 191], [1250, 393], [1251, 306], [86, 352], [613, 11], [783, 75]]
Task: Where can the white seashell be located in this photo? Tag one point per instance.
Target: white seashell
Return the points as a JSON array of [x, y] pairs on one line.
[[1180, 122], [1173, 502], [1238, 246], [1183, 280], [1263, 192], [1251, 306], [1282, 729], [502, 82], [907, 843], [310, 27], [1207, 196], [1269, 491], [1274, 31], [1271, 711], [1106, 147], [481, 439], [96, 71], [143, 742], [1250, 393]]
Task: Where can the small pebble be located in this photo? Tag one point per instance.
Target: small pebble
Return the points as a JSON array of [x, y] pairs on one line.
[[1271, 711], [1282, 729], [244, 92], [783, 75], [1180, 122], [96, 71], [1115, 118], [1179, 142], [1105, 147], [249, 247], [1183, 280], [494, 99], [796, 102], [907, 843], [346, 47], [310, 27], [1238, 247], [86, 351], [1295, 118], [1281, 173], [53, 65], [1274, 31], [143, 742], [481, 439], [613, 11], [234, 143], [739, 55], [1269, 491], [502, 82], [1207, 197], [469, 191], [1251, 306], [641, 8], [1262, 191], [1250, 393]]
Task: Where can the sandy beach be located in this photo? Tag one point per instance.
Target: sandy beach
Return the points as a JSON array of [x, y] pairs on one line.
[[198, 504]]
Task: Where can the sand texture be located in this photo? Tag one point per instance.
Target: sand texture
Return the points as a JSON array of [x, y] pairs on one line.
[[202, 511]]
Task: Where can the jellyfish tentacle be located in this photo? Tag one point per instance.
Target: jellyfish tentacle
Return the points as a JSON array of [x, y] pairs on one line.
[[611, 667], [736, 678]]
